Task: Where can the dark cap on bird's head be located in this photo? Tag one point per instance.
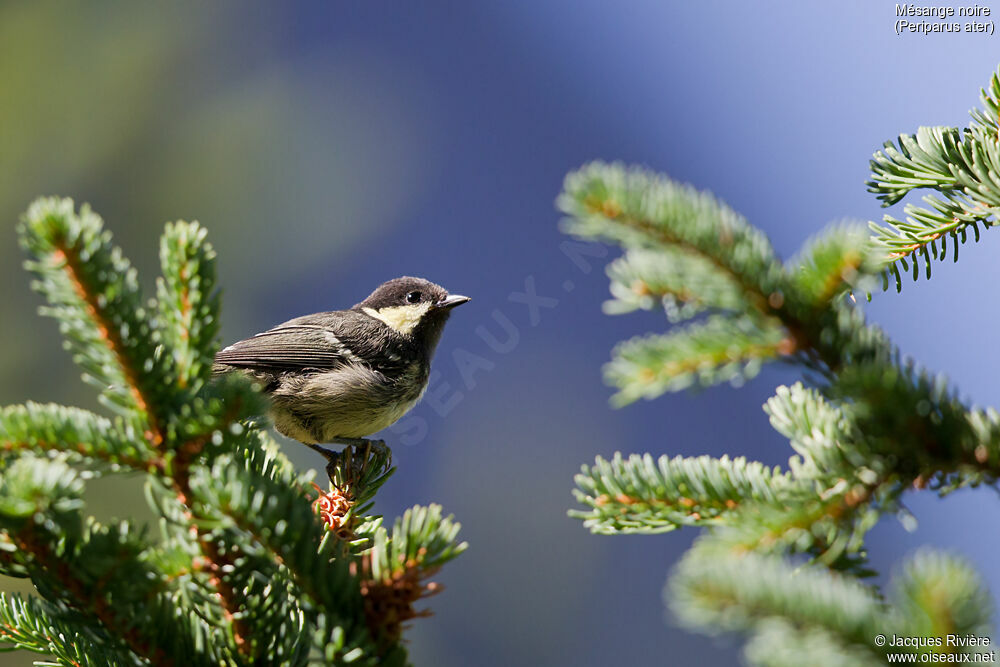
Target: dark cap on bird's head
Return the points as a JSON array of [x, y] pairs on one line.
[[407, 291]]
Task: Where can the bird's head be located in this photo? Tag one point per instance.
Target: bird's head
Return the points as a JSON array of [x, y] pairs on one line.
[[412, 307]]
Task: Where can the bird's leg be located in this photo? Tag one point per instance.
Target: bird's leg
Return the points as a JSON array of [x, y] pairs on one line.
[[332, 458], [327, 454]]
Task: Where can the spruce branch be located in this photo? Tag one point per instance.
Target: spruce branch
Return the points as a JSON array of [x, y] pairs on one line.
[[355, 477], [833, 263], [244, 571], [681, 282], [643, 495], [94, 293], [83, 436], [830, 507], [750, 507], [828, 524], [802, 607], [792, 312], [916, 424], [33, 489], [801, 318], [960, 167], [713, 590], [722, 349], [393, 572], [188, 302], [822, 434], [870, 425], [780, 643], [36, 625], [653, 215], [91, 568], [639, 209], [920, 160], [940, 595], [266, 510], [252, 518]]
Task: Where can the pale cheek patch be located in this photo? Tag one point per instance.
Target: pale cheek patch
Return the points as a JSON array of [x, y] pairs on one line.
[[401, 318]]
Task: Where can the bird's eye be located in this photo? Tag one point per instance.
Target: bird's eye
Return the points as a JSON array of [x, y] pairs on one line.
[[413, 297]]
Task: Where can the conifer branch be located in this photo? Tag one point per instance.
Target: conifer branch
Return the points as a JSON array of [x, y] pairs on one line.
[[722, 349], [94, 569], [35, 625], [266, 509], [244, 572], [809, 607], [652, 214], [942, 595], [831, 264], [713, 589], [188, 301], [639, 209], [681, 282], [93, 291], [822, 434], [643, 495], [828, 524], [393, 572], [87, 437], [354, 480], [961, 166], [872, 426]]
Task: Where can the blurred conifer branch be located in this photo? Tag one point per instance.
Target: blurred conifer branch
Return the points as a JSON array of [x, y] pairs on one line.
[[783, 558], [248, 566]]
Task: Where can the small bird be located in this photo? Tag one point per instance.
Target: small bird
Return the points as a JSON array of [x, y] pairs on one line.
[[337, 376]]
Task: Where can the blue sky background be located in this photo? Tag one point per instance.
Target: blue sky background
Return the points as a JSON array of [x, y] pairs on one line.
[[328, 147]]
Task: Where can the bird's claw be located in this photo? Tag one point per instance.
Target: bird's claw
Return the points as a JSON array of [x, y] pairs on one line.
[[362, 446], [380, 448]]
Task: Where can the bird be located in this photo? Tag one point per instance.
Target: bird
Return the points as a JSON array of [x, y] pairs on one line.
[[334, 377]]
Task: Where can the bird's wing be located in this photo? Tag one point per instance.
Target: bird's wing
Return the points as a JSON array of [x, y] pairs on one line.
[[288, 347]]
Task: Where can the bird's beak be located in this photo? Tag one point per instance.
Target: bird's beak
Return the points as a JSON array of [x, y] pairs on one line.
[[451, 301]]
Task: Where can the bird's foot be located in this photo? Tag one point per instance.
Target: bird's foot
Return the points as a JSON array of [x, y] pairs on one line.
[[345, 461], [367, 446]]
